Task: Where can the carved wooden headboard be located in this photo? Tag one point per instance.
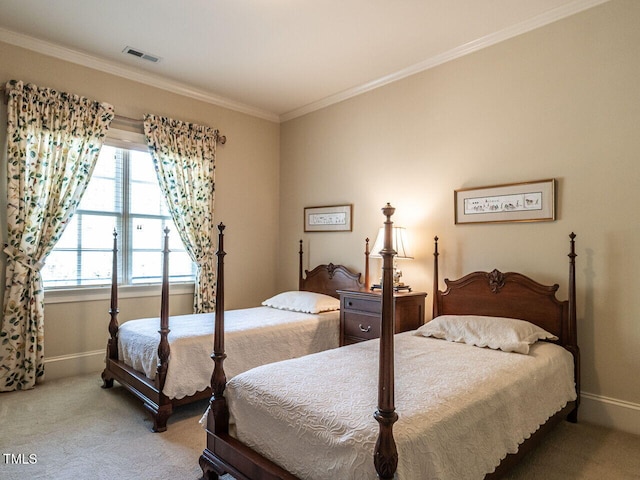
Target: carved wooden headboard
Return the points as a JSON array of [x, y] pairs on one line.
[[328, 278], [512, 295]]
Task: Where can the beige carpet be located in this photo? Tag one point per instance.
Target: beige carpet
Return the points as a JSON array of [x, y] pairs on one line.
[[75, 430]]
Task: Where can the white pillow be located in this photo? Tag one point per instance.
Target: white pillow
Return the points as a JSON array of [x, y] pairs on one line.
[[499, 333], [307, 302]]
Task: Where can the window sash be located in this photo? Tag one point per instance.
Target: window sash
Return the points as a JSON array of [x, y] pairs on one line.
[[140, 233]]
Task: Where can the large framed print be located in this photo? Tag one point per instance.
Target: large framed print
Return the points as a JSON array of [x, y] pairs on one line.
[[514, 202], [334, 218]]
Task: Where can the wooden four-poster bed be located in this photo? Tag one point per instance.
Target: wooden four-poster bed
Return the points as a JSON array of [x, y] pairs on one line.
[[462, 411], [165, 361]]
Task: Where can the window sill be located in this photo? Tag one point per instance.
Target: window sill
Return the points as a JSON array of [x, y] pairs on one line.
[[75, 295]]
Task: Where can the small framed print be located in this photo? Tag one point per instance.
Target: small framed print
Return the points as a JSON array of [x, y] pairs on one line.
[[335, 218], [515, 202]]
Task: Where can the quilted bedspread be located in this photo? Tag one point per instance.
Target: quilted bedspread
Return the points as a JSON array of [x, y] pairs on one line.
[[253, 337], [461, 408]]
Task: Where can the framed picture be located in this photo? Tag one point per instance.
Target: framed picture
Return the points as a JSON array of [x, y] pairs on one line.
[[515, 202], [335, 218]]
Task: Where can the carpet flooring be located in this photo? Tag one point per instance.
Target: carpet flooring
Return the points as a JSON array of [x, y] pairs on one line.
[[73, 429]]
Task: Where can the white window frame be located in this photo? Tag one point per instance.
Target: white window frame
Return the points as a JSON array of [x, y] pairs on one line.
[[130, 141]]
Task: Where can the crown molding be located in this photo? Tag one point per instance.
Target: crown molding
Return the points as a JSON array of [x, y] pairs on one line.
[[523, 27], [130, 73]]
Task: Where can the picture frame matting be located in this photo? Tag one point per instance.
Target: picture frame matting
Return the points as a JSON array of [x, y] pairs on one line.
[[514, 202], [331, 218]]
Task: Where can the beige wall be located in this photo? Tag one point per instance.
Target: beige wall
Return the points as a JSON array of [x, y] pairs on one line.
[[560, 102], [247, 201]]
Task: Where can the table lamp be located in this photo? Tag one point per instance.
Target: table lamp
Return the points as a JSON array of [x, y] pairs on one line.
[[399, 239]]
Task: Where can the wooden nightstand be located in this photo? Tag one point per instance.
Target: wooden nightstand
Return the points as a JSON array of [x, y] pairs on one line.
[[360, 314]]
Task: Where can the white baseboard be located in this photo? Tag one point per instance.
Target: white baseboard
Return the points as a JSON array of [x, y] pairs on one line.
[[609, 412], [74, 364]]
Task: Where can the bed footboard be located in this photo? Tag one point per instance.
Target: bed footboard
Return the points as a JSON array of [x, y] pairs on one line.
[[148, 391]]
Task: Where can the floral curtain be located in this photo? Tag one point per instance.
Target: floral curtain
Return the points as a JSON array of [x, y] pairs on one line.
[[184, 157], [53, 143]]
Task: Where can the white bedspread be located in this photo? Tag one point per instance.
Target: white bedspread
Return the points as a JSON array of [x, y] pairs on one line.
[[461, 408], [253, 337]]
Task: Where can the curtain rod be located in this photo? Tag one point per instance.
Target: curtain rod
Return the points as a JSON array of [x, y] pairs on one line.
[[132, 122]]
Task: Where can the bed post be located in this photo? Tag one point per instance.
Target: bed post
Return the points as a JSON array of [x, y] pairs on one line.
[[300, 279], [218, 421], [436, 308], [572, 340], [218, 412], [112, 344], [385, 455], [367, 283], [163, 347], [165, 407]]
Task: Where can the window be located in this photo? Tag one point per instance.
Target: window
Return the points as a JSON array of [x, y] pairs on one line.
[[123, 194]]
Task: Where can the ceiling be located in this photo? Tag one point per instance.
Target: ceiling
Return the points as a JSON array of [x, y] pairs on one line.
[[276, 59]]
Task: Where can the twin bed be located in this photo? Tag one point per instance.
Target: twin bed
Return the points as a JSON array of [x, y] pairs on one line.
[[464, 396], [166, 361]]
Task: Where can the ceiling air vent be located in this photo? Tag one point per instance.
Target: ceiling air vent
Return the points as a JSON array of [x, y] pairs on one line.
[[140, 54]]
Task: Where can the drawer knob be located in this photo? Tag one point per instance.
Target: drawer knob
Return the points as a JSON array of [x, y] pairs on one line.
[[365, 330], [350, 303]]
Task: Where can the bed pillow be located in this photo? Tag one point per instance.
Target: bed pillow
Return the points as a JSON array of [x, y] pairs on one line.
[[499, 333], [307, 302]]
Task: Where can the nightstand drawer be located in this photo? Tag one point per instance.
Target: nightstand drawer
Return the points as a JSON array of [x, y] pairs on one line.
[[362, 304], [363, 327], [360, 314]]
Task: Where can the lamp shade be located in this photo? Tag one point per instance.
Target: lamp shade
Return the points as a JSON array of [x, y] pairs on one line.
[[399, 239]]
